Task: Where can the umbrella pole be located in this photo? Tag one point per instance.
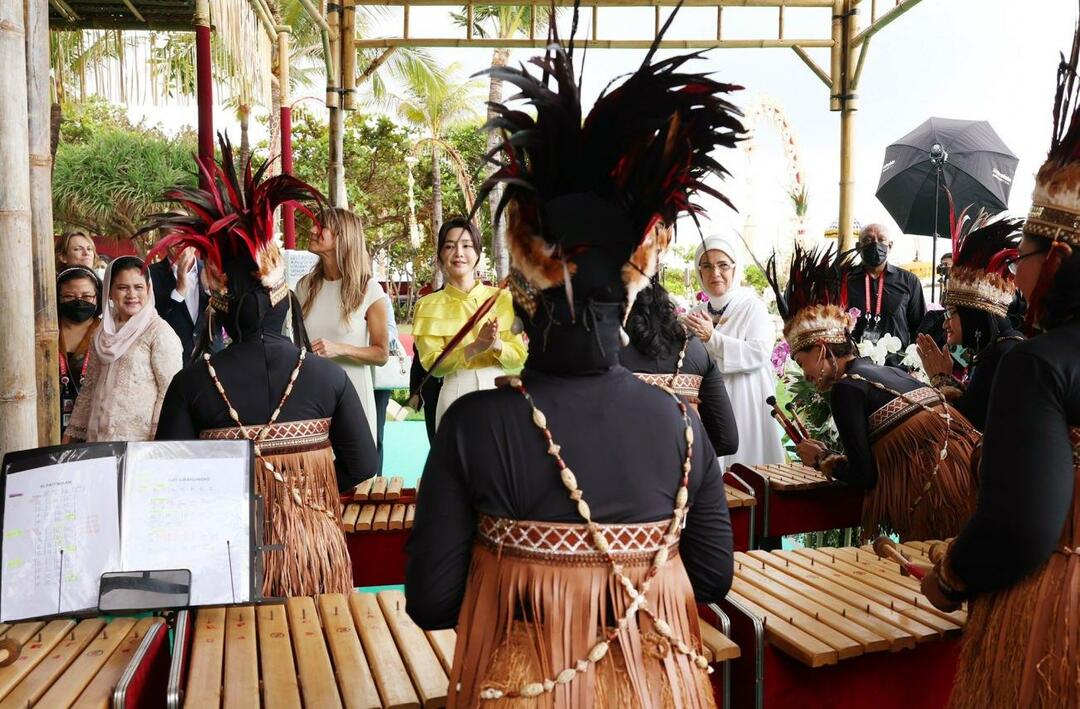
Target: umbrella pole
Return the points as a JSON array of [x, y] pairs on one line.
[[933, 247]]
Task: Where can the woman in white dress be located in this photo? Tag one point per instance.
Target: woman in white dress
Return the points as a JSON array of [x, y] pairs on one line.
[[739, 334], [343, 305]]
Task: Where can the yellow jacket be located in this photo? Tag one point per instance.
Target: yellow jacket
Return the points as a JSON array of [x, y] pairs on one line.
[[441, 314]]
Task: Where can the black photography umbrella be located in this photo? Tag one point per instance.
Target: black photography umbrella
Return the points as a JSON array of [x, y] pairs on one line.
[[967, 157]]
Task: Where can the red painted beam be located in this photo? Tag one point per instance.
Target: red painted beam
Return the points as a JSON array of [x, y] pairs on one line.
[[288, 216], [204, 91]]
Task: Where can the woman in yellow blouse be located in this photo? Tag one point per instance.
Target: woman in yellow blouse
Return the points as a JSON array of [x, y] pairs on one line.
[[491, 349]]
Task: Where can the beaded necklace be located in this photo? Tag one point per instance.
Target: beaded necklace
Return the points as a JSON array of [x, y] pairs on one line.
[[636, 595], [259, 433]]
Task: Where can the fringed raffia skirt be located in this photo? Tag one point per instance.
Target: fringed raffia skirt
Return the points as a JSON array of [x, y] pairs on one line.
[[1022, 645], [537, 602], [918, 495], [295, 476]]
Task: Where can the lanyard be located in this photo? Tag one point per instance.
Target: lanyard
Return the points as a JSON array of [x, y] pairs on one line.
[[64, 366], [880, 293]]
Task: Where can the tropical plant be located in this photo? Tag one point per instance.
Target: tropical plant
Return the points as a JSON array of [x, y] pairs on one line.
[[500, 22]]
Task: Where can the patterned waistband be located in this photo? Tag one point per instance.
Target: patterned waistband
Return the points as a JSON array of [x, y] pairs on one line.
[[572, 543], [289, 437], [688, 385], [900, 408]]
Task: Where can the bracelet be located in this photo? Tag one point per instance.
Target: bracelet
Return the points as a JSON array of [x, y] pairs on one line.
[[948, 591]]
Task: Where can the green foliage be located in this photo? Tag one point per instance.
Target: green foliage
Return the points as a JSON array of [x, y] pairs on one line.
[[82, 121], [754, 278], [674, 282], [111, 180]]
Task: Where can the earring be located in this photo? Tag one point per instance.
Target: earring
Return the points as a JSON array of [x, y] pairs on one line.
[[624, 337]]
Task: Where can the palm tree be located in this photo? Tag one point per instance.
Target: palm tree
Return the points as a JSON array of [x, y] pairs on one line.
[[434, 105], [502, 22]]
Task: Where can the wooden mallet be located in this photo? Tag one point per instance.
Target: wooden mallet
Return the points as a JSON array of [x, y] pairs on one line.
[[886, 549], [793, 433], [9, 651]]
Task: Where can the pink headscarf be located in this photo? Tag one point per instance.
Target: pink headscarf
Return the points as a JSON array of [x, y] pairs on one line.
[[111, 342]]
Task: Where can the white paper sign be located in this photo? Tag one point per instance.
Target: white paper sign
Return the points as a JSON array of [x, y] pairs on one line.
[[69, 507], [190, 514], [297, 265]]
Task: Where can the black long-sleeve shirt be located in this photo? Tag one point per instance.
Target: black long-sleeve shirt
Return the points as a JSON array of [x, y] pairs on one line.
[[1027, 474], [623, 439], [902, 302], [255, 373], [976, 397], [852, 403], [715, 407]]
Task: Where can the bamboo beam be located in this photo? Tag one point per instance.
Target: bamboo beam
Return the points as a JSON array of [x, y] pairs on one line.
[[859, 66], [138, 15], [39, 131], [348, 54], [835, 55], [538, 43], [883, 21], [324, 32], [64, 9], [263, 13], [849, 104], [719, 23], [605, 3], [18, 394], [809, 61], [333, 77]]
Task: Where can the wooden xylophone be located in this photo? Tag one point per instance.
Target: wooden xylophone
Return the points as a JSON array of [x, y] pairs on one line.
[[377, 516], [86, 663], [838, 628], [741, 503], [360, 650], [795, 499]]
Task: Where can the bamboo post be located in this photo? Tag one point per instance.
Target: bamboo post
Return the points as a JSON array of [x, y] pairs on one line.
[[333, 24], [39, 112], [849, 104], [719, 23], [835, 53], [288, 213], [348, 54], [18, 408]]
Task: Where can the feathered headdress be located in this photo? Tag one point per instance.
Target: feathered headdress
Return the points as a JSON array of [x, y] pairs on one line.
[[980, 275], [582, 195], [231, 226], [814, 308], [1055, 209]]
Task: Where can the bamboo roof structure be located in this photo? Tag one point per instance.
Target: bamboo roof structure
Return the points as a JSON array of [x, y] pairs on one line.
[[164, 15]]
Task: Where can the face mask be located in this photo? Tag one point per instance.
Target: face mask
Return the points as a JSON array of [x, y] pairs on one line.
[[77, 310], [874, 254]]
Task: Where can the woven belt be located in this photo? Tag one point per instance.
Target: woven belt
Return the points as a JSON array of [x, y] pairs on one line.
[[688, 385], [288, 437], [572, 543], [898, 409]]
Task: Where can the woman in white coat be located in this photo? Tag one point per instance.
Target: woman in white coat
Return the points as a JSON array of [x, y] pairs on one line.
[[739, 334]]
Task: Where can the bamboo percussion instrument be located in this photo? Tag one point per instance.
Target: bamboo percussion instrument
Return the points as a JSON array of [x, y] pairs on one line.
[[376, 518], [887, 549], [359, 650], [792, 432], [86, 663], [797, 421], [837, 626]]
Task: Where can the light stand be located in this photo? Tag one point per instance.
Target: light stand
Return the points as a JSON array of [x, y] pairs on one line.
[[938, 156]]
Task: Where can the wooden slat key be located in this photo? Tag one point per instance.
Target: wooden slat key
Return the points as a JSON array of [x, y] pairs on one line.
[[442, 642], [53, 665], [348, 518], [420, 660], [722, 647], [366, 516], [99, 692], [35, 648], [391, 678], [363, 490], [410, 515], [378, 488], [382, 518], [393, 487], [397, 517], [241, 658], [66, 690], [280, 688], [312, 660], [351, 667], [207, 650]]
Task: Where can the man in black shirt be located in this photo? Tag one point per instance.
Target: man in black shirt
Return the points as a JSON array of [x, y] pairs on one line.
[[889, 298]]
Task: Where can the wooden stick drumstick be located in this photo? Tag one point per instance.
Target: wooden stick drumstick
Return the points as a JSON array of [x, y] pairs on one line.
[[792, 432], [886, 549], [9, 651], [796, 420], [937, 551]]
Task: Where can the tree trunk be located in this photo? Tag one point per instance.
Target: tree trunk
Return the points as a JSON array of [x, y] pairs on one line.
[[18, 406], [244, 114], [39, 130], [499, 253], [436, 211], [56, 120], [338, 195]]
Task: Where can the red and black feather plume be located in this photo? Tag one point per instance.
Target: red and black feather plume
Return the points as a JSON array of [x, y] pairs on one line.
[[815, 277]]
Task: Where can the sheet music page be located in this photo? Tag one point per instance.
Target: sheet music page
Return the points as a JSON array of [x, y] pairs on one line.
[[191, 513], [70, 507]]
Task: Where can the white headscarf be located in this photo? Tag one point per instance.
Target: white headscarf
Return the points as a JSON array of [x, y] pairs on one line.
[[111, 342], [727, 245]]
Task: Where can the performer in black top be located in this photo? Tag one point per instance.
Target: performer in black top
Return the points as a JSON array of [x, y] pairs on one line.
[[1017, 559], [662, 353], [977, 303], [311, 436], [570, 521], [903, 443]]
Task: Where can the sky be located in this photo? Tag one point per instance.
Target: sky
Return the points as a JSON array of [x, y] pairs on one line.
[[991, 60]]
